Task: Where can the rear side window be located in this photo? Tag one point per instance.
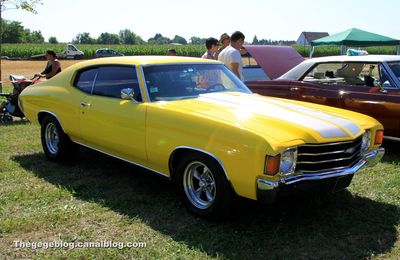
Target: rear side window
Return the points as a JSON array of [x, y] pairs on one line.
[[112, 79], [86, 79]]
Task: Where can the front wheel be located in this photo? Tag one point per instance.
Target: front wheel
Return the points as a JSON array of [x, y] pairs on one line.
[[203, 186], [56, 144]]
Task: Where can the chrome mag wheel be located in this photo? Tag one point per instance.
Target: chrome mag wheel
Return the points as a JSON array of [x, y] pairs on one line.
[[52, 138], [199, 185]]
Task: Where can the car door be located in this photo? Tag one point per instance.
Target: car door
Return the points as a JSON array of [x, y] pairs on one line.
[[320, 85], [109, 123], [381, 103]]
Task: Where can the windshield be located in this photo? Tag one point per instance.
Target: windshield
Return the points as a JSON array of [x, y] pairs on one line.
[[395, 67], [174, 82], [254, 73]]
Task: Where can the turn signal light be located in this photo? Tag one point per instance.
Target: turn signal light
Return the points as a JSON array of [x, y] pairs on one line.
[[272, 165], [379, 137]]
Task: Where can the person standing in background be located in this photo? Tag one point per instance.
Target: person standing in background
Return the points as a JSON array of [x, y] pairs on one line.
[[231, 56], [224, 42], [212, 49]]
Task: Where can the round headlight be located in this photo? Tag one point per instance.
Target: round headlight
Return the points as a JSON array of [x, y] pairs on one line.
[[288, 161], [366, 140]]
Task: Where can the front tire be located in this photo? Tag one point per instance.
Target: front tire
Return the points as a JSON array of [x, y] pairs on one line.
[[203, 187], [56, 144]]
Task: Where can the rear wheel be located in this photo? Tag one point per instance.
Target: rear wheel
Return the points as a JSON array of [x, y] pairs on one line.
[[6, 119], [203, 186], [56, 144]]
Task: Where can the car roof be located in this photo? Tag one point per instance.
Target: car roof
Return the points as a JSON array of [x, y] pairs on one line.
[[299, 70], [140, 60], [363, 58]]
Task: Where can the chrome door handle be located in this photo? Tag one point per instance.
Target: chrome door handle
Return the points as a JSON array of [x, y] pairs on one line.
[[85, 104], [294, 89]]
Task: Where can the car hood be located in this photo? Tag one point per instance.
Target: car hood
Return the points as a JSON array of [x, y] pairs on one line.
[[275, 60], [275, 119]]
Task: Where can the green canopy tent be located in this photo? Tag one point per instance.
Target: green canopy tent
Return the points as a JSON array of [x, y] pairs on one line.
[[357, 38]]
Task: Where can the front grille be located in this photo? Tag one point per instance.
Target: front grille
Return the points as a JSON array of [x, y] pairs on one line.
[[317, 158]]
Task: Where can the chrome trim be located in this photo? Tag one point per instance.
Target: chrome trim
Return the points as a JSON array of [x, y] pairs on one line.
[[203, 151], [392, 138], [317, 154], [122, 159], [328, 169], [138, 79], [374, 156], [326, 144], [51, 113], [266, 190], [94, 81], [145, 85], [333, 160], [332, 152]]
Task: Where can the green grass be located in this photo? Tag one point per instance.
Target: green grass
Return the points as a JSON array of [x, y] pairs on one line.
[[94, 198]]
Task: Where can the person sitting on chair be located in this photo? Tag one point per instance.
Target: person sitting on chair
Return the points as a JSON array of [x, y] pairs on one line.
[[53, 66]]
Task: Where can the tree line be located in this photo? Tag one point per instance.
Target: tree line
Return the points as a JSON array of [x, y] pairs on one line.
[[15, 32]]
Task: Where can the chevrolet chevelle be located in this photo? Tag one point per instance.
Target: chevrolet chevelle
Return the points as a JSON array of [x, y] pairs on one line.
[[194, 122]]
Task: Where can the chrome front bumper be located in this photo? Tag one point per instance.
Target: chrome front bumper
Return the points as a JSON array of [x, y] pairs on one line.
[[267, 190]]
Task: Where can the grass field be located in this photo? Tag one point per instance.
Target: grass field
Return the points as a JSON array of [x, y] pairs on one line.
[[95, 198]]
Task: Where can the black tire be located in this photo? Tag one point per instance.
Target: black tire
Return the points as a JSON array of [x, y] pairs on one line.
[[202, 205], [7, 119], [56, 144]]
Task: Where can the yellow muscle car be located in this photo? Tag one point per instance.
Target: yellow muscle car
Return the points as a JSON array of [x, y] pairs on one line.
[[194, 122]]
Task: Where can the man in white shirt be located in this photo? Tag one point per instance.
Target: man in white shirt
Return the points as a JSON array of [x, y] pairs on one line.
[[231, 57]]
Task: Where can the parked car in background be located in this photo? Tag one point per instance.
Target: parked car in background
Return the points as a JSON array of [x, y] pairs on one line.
[[100, 53], [193, 121], [366, 84], [72, 52], [264, 62]]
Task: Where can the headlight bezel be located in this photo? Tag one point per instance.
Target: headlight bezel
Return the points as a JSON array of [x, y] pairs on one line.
[[366, 140], [288, 161]]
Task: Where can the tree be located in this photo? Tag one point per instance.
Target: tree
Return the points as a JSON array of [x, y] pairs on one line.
[[179, 39], [139, 40], [127, 36], [159, 39], [53, 40], [255, 40], [29, 6], [12, 32], [34, 37], [108, 38], [197, 40], [83, 38]]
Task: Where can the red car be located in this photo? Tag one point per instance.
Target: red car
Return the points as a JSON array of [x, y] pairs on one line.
[[367, 84]]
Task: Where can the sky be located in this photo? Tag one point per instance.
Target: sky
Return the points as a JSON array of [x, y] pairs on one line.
[[276, 20]]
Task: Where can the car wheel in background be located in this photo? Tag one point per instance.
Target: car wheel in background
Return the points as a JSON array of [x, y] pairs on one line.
[[203, 186], [56, 144]]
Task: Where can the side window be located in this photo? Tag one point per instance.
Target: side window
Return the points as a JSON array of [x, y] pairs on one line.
[[384, 78], [352, 73], [326, 73], [84, 80], [112, 79]]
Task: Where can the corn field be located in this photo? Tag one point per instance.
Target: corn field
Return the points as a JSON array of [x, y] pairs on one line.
[[25, 51]]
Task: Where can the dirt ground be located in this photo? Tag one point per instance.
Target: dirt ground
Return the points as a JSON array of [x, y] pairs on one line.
[[27, 67]]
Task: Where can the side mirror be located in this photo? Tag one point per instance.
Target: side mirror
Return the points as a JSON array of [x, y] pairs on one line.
[[377, 83], [128, 94]]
